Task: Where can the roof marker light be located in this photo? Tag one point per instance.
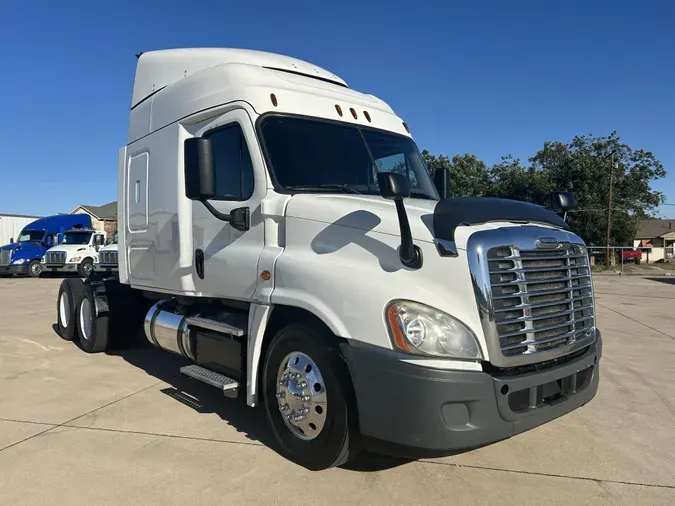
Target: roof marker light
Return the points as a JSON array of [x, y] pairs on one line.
[[338, 109], [405, 125], [351, 109], [273, 98], [365, 113]]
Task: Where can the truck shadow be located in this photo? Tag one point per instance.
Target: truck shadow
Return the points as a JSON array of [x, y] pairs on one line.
[[205, 399], [666, 280]]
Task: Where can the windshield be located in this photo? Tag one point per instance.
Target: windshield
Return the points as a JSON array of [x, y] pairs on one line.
[[76, 238], [31, 235], [308, 154]]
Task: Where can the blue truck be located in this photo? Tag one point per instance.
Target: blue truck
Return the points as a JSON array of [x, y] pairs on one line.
[[23, 256]]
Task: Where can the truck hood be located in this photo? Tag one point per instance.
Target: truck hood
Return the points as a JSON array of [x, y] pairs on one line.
[[70, 249], [28, 250], [364, 212], [449, 220], [109, 247]]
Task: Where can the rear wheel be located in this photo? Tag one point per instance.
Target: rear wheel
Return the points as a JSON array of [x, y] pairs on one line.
[[67, 301], [92, 328], [309, 398]]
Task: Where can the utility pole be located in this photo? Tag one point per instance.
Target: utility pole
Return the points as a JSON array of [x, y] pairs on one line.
[[610, 261]]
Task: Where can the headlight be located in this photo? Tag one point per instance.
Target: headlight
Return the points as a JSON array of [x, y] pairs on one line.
[[75, 259], [423, 330], [19, 261]]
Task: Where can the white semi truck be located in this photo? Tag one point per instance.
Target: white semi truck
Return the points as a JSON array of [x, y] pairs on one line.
[[106, 262], [280, 231], [76, 253]]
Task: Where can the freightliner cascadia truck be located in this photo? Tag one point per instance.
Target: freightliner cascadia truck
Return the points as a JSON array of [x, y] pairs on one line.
[[281, 232]]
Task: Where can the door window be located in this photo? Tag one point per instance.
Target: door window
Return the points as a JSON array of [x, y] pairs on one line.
[[233, 167]]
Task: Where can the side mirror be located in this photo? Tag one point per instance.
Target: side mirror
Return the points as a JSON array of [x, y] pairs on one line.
[[396, 187], [200, 174], [200, 181], [11, 240], [49, 241], [393, 186], [563, 201], [442, 182]]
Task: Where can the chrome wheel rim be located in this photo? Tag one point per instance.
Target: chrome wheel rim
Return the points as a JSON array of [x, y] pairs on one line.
[[301, 395], [64, 310], [35, 269], [85, 318], [87, 267]]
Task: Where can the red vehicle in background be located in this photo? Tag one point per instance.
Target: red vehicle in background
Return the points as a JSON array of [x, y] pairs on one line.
[[628, 255]]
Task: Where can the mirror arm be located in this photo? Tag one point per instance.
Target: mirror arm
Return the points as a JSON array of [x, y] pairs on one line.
[[410, 254], [239, 218]]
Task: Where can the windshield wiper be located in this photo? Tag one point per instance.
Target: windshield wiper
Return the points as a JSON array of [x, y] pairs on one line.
[[321, 187], [421, 195]]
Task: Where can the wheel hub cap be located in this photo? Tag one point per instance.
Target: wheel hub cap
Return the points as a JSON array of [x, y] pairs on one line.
[[301, 394]]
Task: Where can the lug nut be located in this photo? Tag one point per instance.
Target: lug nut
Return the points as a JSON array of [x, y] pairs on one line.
[[302, 384], [284, 407], [281, 395], [305, 398]]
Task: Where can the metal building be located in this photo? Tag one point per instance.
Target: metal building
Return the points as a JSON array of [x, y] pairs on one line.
[[11, 225]]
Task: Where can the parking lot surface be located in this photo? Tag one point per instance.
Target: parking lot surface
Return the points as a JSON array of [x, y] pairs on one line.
[[126, 428]]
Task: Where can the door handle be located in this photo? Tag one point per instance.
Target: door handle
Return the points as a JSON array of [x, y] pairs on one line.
[[199, 263]]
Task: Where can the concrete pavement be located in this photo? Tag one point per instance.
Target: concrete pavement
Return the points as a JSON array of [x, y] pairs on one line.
[[126, 428]]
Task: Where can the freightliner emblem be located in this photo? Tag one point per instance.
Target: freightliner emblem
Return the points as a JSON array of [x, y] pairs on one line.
[[547, 242]]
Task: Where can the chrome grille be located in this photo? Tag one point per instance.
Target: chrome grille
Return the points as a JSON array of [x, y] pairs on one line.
[[55, 258], [542, 299], [4, 257], [107, 258]]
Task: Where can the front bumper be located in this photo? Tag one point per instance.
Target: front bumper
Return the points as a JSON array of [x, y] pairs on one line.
[[59, 267], [21, 270], [411, 410], [105, 268]]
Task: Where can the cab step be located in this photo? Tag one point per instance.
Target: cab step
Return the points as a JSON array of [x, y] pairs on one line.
[[229, 386], [233, 324]]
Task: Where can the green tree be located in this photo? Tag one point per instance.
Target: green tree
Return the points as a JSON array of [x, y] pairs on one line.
[[585, 167], [511, 180], [469, 176]]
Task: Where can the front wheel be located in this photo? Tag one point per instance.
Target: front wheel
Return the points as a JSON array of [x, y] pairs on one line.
[[34, 269], [85, 268], [309, 398]]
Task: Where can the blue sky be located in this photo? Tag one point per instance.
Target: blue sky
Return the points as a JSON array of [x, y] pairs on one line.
[[490, 78]]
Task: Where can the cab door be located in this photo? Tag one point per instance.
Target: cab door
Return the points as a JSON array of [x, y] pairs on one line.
[[225, 260]]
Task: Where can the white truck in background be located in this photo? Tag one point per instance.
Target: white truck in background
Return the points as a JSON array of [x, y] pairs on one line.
[[106, 262], [281, 232], [76, 253]]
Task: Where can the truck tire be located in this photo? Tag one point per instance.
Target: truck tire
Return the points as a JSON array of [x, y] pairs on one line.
[[309, 398], [85, 268], [70, 293], [637, 261], [34, 269], [92, 328]]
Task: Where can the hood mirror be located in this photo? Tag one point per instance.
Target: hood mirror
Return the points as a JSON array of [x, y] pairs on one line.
[[563, 201]]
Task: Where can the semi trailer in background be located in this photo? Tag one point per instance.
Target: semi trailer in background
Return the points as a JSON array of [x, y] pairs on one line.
[[281, 232]]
